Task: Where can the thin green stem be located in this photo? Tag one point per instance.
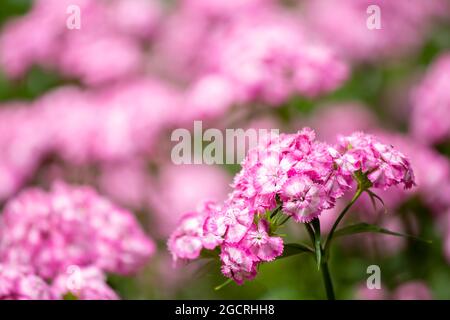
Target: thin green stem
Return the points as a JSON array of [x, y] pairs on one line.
[[338, 220], [327, 281], [313, 229]]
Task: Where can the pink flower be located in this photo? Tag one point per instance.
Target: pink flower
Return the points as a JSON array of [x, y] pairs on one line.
[[364, 293], [271, 173], [210, 96], [404, 25], [23, 143], [138, 18], [431, 103], [384, 165], [20, 283], [302, 198], [344, 118], [238, 220], [413, 290], [237, 264], [260, 244], [267, 58], [198, 182], [186, 241], [71, 225], [83, 57], [87, 283], [294, 173]]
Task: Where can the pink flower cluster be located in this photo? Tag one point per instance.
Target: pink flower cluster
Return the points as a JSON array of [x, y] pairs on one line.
[[116, 124], [293, 173], [267, 59], [403, 25], [116, 27], [50, 231], [87, 283], [18, 282], [430, 121], [411, 290]]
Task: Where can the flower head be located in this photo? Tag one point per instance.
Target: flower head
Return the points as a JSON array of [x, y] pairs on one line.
[[293, 174], [20, 283], [71, 226], [87, 283]]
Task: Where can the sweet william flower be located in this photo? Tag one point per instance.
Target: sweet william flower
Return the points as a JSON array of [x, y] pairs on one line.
[[87, 283], [20, 283], [384, 165], [186, 241], [71, 226], [302, 198], [260, 244], [237, 263], [287, 175]]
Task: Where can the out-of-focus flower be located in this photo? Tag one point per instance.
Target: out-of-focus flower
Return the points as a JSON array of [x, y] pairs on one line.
[[364, 293], [413, 290], [138, 18], [268, 60], [71, 226], [114, 124], [344, 118], [88, 283], [209, 97], [23, 143], [84, 57], [198, 182], [403, 25], [127, 183], [430, 121], [183, 55], [116, 27], [20, 283]]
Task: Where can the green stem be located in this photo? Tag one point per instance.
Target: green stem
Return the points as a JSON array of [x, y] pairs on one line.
[[336, 223], [327, 281]]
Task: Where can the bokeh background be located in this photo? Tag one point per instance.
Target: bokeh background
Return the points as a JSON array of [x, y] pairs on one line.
[[96, 106]]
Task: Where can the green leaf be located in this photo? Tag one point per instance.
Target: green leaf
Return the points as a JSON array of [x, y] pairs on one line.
[[366, 227], [291, 249], [317, 242], [220, 286], [373, 196]]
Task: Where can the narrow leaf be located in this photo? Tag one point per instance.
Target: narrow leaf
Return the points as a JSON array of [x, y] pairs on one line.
[[373, 197], [366, 227], [317, 242], [223, 285], [291, 249]]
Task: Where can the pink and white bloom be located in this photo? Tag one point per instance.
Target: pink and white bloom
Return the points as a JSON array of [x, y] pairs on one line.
[[237, 263], [88, 283], [302, 198], [260, 244], [20, 283], [292, 173], [71, 226]]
